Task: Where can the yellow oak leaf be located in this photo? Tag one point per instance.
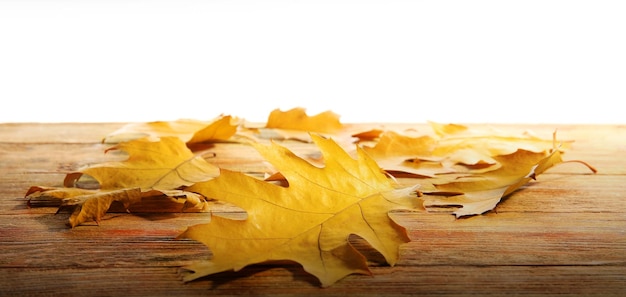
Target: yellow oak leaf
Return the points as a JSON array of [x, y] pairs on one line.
[[295, 124], [309, 221], [470, 146], [89, 205], [479, 193], [221, 128], [163, 164], [397, 153], [297, 119], [92, 205], [153, 168], [457, 148]]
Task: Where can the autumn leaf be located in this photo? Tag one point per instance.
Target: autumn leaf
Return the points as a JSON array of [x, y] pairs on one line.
[[297, 119], [221, 128], [295, 124], [307, 222], [368, 135], [153, 168], [89, 205], [455, 148], [163, 164], [482, 192], [395, 152]]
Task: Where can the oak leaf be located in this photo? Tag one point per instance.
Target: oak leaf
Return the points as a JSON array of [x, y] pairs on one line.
[[162, 164], [309, 221], [295, 124], [454, 148], [89, 205], [297, 119], [221, 128], [398, 153], [153, 168], [480, 193]]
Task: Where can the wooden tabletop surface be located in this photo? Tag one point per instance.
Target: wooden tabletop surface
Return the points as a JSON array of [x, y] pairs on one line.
[[564, 234]]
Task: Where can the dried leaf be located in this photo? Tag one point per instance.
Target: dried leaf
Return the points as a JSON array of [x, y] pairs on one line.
[[307, 222], [295, 124], [164, 164], [221, 128], [369, 135], [482, 192], [89, 205], [93, 207], [457, 149], [297, 119], [153, 168], [397, 153]]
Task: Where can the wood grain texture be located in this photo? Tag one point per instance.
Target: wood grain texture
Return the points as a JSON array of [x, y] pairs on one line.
[[563, 234]]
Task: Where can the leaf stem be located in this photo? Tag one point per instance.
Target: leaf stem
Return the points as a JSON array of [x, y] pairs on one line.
[[593, 169]]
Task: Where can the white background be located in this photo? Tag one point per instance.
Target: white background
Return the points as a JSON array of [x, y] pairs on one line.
[[369, 61]]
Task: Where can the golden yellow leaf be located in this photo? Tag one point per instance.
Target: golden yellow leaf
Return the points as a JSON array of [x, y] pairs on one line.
[[221, 128], [297, 119], [480, 193], [470, 146], [163, 164], [307, 222], [456, 149], [295, 124], [401, 154], [153, 168]]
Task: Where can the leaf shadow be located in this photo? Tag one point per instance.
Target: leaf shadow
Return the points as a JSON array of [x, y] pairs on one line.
[[60, 221], [155, 216], [374, 257], [270, 270]]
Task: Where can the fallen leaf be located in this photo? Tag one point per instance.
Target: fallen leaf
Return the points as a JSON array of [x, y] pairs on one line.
[[457, 148], [92, 205], [221, 128], [471, 146], [295, 124], [153, 168], [395, 152], [369, 135], [89, 205], [480, 193], [163, 164], [297, 119], [307, 222]]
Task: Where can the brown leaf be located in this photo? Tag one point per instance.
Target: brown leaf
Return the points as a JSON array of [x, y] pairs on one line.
[[89, 205], [153, 168]]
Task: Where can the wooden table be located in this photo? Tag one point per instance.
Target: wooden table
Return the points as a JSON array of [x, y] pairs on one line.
[[563, 234]]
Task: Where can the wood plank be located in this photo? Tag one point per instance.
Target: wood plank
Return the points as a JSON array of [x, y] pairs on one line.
[[261, 280], [564, 234], [494, 239]]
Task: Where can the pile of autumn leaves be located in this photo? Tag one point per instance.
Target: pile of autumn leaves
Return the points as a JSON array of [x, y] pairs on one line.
[[306, 208]]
